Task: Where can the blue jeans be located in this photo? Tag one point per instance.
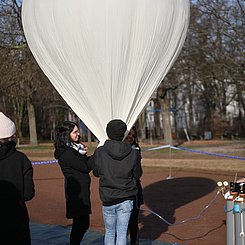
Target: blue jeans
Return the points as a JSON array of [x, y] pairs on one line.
[[116, 218]]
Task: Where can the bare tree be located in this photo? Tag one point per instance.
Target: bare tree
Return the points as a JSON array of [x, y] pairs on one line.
[[22, 82], [207, 78], [210, 69]]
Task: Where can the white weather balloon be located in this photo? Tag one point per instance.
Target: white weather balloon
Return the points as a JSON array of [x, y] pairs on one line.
[[105, 57]]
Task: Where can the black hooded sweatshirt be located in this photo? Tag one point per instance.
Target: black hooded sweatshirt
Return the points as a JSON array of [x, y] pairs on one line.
[[16, 187], [118, 167], [16, 169]]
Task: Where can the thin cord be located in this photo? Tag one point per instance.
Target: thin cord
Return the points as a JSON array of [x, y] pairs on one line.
[[186, 220]]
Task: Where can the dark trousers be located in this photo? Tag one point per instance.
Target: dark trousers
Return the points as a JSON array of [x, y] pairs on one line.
[[79, 226], [14, 223], [133, 226]]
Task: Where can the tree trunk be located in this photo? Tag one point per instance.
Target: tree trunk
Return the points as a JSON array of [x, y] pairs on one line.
[[18, 111], [32, 123], [166, 122], [158, 130], [141, 129]]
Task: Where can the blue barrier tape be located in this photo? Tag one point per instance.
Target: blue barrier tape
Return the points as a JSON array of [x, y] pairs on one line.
[[163, 147], [194, 151], [46, 162], [157, 148], [208, 153]]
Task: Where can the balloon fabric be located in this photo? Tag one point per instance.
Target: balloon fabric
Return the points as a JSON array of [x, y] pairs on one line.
[[105, 57]]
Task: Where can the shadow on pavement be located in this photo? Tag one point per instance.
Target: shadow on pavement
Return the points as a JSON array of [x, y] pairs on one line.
[[59, 235], [171, 194]]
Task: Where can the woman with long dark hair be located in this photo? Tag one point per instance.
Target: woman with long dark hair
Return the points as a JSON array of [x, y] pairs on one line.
[[133, 226], [73, 161]]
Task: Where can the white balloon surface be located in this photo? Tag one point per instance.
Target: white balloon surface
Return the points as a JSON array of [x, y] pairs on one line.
[[105, 57]]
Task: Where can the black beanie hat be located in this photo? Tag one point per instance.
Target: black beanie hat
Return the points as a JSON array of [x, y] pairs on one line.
[[116, 129]]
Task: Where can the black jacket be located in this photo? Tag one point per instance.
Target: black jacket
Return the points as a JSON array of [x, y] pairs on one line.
[[77, 181], [16, 187], [118, 167], [139, 198]]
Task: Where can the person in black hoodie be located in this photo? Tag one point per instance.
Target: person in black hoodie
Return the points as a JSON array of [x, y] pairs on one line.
[[73, 161], [16, 187], [118, 167]]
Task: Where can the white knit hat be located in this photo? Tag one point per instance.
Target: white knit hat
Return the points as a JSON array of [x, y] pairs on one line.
[[7, 127]]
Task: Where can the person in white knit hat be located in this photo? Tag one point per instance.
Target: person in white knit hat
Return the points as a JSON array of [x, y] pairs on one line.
[[16, 187], [7, 127]]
